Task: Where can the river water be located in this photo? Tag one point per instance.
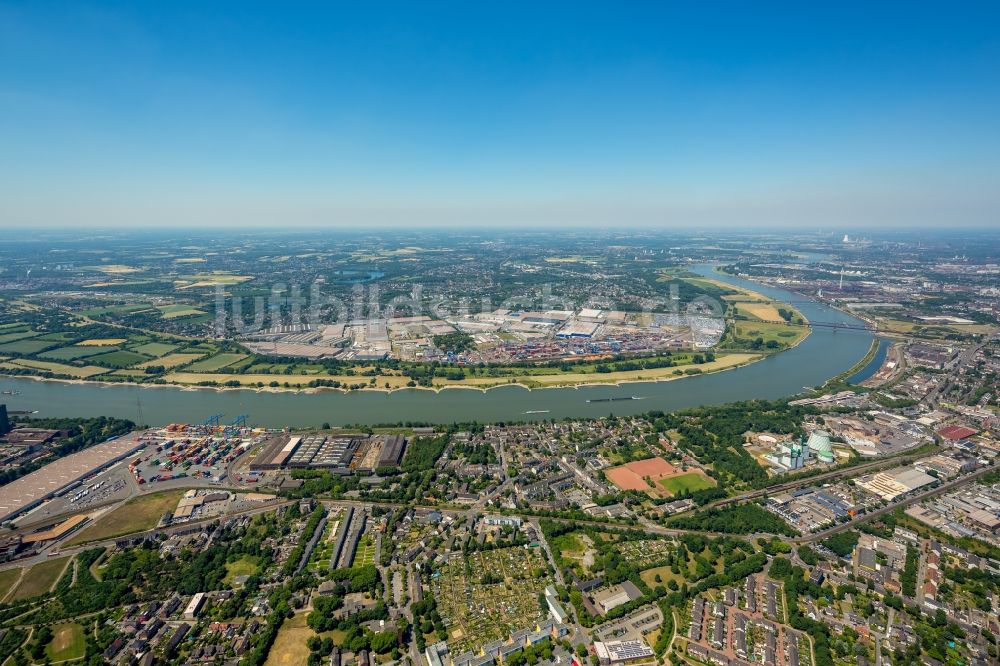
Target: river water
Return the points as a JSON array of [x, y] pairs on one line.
[[824, 354], [873, 365]]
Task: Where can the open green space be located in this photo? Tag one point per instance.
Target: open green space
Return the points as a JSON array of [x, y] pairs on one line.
[[549, 377], [665, 575], [747, 332], [7, 579], [39, 579], [97, 566], [245, 566], [289, 647], [365, 552], [569, 545], [746, 518], [690, 482], [68, 642], [141, 513]]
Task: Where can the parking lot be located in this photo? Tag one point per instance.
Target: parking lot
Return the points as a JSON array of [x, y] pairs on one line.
[[107, 487], [633, 626]]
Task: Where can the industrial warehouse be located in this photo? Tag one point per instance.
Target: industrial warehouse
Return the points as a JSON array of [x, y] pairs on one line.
[[29, 491], [341, 454]]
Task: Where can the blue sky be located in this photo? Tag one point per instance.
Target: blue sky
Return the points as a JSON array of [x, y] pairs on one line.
[[503, 113]]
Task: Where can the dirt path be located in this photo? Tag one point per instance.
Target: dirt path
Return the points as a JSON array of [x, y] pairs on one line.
[[589, 554], [673, 636], [14, 585], [27, 640]]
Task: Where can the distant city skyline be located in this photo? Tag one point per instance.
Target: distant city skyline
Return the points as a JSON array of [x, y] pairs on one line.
[[508, 115]]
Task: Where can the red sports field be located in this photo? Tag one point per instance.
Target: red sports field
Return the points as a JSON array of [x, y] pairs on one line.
[[631, 476]]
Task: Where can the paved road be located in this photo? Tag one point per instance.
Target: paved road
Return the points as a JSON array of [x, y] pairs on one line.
[[889, 461], [865, 517], [921, 572], [105, 543], [934, 397], [646, 526]]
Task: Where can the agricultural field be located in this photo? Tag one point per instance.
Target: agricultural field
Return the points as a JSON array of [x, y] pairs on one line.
[[39, 579], [489, 594], [25, 346], [116, 269], [209, 280], [119, 358], [58, 337], [68, 642], [125, 373], [217, 362], [189, 376], [72, 353], [171, 360], [16, 335], [178, 311], [115, 310], [763, 311], [282, 368], [141, 513], [60, 368], [104, 342], [154, 348]]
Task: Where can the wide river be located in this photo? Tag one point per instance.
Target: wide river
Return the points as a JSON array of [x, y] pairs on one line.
[[825, 353]]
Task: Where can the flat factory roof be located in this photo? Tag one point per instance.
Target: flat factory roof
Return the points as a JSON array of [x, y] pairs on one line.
[[29, 490]]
